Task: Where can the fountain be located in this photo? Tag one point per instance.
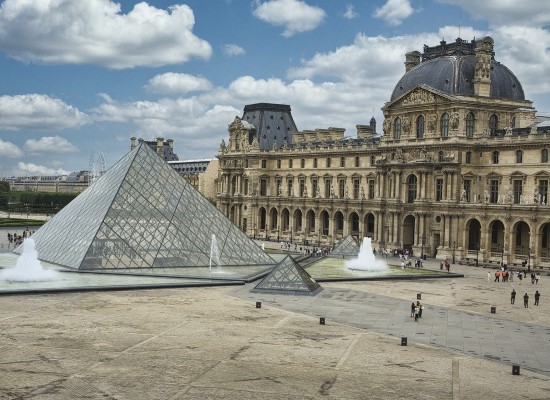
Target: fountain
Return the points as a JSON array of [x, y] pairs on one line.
[[28, 267], [366, 261], [214, 252]]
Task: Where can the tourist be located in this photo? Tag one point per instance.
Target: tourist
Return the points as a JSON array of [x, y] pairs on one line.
[[537, 277], [526, 300], [420, 308], [497, 276], [513, 296], [412, 309], [416, 312], [488, 276], [537, 297]]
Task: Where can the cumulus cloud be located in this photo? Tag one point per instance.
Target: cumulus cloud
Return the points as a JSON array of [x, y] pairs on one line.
[[34, 169], [394, 11], [233, 50], [96, 32], [174, 83], [535, 13], [10, 150], [50, 144], [38, 112], [295, 15], [350, 12]]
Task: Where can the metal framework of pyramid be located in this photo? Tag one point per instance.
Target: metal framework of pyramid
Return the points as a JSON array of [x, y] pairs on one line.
[[288, 277], [347, 247], [143, 215]]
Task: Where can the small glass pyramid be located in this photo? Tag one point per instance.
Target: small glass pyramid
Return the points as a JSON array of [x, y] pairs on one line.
[[347, 247], [142, 215], [288, 277]]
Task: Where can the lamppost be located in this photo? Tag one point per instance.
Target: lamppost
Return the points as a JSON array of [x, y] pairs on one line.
[[27, 218], [502, 254], [529, 257], [319, 237], [477, 254], [254, 231], [454, 250], [422, 241]]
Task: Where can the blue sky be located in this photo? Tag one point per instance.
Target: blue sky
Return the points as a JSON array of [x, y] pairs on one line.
[[80, 76]]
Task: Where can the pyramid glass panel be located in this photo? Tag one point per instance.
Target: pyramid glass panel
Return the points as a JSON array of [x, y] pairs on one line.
[[347, 247], [290, 278], [142, 216]]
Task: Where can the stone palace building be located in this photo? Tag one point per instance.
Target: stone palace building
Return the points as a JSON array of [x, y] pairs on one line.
[[460, 172]]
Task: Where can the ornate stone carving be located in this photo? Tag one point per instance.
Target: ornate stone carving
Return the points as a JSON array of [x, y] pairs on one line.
[[432, 118], [223, 148], [419, 97], [406, 125], [454, 121]]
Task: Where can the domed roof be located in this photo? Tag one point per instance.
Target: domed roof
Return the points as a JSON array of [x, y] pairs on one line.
[[454, 74]]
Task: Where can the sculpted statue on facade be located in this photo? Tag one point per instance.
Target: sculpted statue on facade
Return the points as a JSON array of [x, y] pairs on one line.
[[223, 148], [399, 157], [418, 97], [406, 124], [432, 118], [305, 191], [318, 193], [463, 196], [332, 192], [255, 143], [486, 195], [454, 121]]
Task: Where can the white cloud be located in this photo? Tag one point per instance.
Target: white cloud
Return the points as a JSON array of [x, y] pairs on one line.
[[350, 12], [96, 32], [394, 11], [534, 13], [10, 150], [174, 83], [50, 144], [233, 50], [295, 15], [38, 112], [34, 169]]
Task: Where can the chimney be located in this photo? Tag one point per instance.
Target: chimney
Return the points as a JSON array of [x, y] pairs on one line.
[[132, 143], [412, 59], [171, 143], [160, 146], [482, 76]]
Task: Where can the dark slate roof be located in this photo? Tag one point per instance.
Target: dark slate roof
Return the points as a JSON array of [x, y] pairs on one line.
[[454, 74], [273, 124]]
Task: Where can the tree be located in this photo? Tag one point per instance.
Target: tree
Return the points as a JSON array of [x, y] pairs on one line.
[[4, 194]]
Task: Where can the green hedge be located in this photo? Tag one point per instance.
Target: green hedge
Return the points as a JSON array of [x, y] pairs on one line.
[[37, 202], [13, 222]]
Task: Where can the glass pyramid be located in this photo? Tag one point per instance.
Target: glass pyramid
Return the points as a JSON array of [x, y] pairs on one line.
[[288, 277], [142, 215], [347, 247]]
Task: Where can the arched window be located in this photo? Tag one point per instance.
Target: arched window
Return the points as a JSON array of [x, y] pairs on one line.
[[397, 128], [470, 124], [444, 125], [493, 124], [544, 155], [519, 157], [420, 127], [494, 157], [513, 122], [411, 186]]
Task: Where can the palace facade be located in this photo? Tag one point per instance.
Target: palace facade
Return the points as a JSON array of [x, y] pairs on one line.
[[461, 170]]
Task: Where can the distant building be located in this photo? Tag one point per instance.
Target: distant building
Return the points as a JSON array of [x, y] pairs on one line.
[[165, 149]]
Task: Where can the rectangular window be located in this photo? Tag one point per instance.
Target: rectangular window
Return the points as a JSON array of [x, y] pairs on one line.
[[518, 186], [342, 162], [314, 163], [543, 192], [289, 188], [302, 163], [356, 188], [493, 188], [290, 163], [371, 188], [372, 161], [467, 189], [246, 163], [341, 188], [328, 162], [468, 157], [356, 162], [327, 188], [302, 188], [264, 163], [438, 189], [263, 187], [245, 187], [314, 187], [279, 187], [279, 164]]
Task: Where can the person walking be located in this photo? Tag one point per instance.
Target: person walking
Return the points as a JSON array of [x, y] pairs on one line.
[[488, 276], [497, 275], [412, 309], [537, 297], [419, 309], [537, 277], [526, 300], [513, 296], [416, 313]]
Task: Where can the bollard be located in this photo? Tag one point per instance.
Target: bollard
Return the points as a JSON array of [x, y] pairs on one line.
[[258, 304], [419, 296], [322, 320], [493, 310], [403, 341], [515, 369]]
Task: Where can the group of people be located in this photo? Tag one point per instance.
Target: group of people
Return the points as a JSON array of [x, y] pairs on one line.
[[445, 264], [503, 275], [16, 239], [525, 298], [407, 262], [416, 310]]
